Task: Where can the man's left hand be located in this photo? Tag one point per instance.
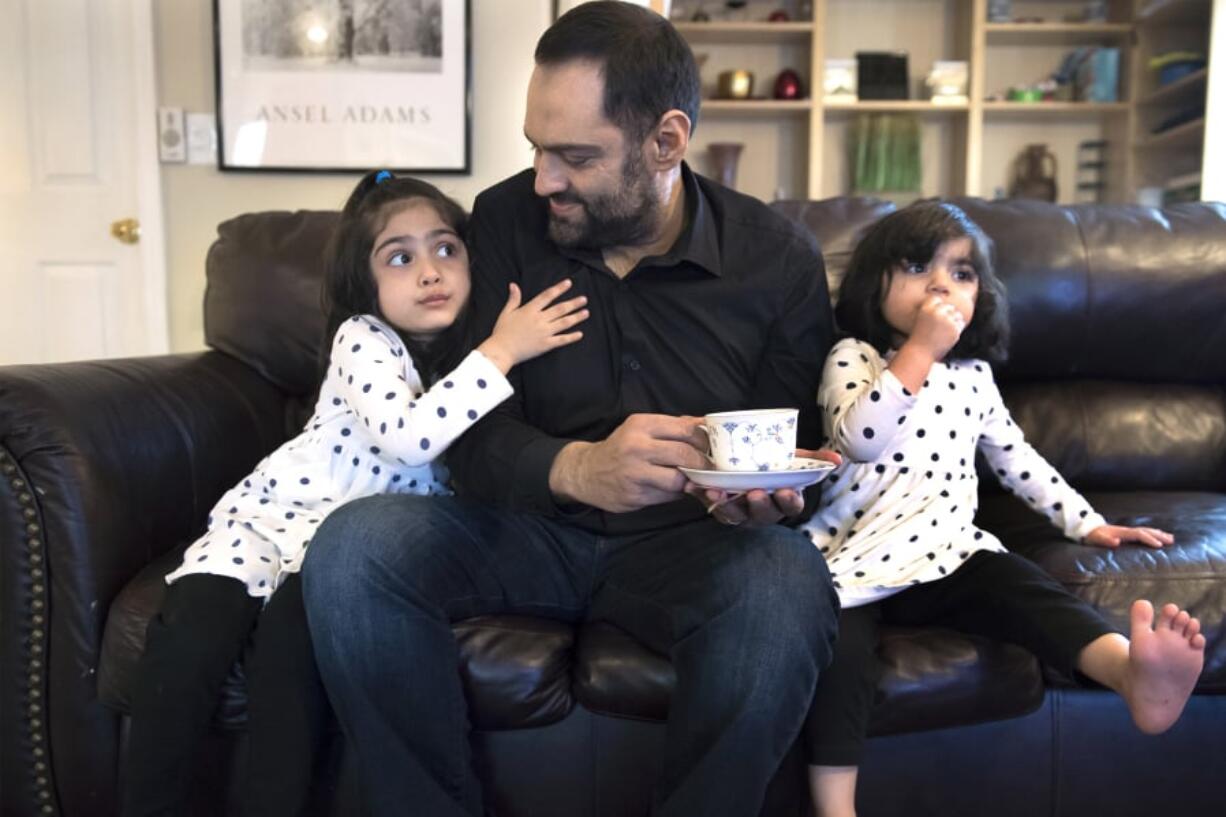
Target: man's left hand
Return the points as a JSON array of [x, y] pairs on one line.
[[757, 507]]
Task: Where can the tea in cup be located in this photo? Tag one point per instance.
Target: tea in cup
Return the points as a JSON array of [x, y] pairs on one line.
[[754, 440]]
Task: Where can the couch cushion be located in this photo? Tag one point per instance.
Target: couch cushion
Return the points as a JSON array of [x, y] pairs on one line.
[[1116, 436], [837, 224], [516, 670], [1189, 573], [262, 304], [933, 679], [1086, 282]]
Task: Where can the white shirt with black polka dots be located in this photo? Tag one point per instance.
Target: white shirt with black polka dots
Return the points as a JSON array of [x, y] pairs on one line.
[[899, 510], [374, 431]]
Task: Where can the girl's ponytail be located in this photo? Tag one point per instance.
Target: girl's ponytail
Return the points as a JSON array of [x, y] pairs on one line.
[[362, 189]]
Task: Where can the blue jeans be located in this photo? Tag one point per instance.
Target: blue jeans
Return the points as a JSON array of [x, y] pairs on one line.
[[746, 615]]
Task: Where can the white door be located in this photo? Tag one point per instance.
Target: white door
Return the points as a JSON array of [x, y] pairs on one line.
[[78, 153]]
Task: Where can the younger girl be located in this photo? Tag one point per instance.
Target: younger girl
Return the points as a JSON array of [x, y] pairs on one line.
[[908, 399], [398, 389]]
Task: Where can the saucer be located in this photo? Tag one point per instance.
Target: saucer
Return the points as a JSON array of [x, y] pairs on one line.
[[802, 471]]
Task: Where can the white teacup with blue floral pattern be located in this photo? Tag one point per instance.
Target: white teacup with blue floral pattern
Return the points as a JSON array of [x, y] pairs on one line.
[[756, 440]]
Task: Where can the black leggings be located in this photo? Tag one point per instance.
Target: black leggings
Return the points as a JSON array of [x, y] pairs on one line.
[[997, 595], [207, 623]]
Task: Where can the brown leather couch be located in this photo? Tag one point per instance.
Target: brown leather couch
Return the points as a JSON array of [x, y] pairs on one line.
[[1118, 375]]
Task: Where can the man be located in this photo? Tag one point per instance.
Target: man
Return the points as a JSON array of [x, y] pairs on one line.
[[571, 504]]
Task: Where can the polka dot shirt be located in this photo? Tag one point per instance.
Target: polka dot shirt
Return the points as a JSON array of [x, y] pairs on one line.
[[373, 431], [899, 510]]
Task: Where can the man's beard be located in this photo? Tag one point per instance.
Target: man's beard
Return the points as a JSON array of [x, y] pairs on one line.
[[624, 218]]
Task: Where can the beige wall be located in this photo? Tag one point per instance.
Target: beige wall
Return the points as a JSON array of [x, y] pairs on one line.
[[197, 198]]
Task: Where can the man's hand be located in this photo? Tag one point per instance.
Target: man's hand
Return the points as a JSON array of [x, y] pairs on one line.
[[757, 507], [634, 467]]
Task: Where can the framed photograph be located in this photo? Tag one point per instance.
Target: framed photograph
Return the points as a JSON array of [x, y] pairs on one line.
[[343, 85], [660, 7]]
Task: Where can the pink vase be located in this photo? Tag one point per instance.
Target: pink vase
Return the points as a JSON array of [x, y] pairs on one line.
[[724, 156]]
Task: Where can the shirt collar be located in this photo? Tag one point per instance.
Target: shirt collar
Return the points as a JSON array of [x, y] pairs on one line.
[[698, 242], [699, 239]]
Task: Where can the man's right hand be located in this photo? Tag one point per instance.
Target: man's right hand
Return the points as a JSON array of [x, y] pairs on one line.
[[634, 467]]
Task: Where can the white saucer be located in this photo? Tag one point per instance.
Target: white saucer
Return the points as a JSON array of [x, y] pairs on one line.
[[802, 471]]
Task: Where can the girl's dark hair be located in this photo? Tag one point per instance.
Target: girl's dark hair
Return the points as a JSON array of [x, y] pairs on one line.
[[913, 235], [648, 67], [349, 285]]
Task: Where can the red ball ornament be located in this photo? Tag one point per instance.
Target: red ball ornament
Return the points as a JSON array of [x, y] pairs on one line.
[[788, 85], [778, 16]]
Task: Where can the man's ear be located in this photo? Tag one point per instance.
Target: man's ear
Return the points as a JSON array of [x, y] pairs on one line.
[[669, 140]]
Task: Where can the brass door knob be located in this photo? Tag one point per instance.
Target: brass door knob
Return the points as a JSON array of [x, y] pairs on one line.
[[126, 230]]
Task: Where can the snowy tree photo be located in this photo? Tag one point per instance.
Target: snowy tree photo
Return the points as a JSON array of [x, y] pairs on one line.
[[378, 35]]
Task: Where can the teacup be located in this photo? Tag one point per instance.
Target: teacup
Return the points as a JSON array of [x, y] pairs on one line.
[[755, 440]]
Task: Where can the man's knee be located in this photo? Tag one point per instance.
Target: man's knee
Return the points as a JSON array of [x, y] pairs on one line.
[[789, 583], [360, 538], [786, 564]]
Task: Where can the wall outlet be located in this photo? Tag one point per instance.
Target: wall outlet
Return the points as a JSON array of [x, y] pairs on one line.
[[201, 139], [172, 138]]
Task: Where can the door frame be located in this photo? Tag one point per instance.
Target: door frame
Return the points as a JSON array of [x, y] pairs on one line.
[[150, 210]]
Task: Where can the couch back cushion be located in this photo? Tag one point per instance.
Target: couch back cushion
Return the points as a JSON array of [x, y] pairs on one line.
[[1118, 360], [1118, 357], [1118, 354], [262, 300]]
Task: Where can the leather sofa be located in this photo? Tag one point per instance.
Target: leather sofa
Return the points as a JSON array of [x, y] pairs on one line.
[[1118, 375]]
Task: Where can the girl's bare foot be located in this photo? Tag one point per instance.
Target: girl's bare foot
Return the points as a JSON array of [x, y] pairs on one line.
[[1164, 661]]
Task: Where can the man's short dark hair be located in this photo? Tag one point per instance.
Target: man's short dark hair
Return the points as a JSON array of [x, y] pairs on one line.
[[648, 67]]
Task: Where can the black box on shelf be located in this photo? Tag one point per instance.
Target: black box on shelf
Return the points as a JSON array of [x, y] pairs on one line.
[[882, 74]]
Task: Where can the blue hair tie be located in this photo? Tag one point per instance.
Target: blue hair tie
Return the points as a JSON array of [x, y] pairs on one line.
[[382, 176]]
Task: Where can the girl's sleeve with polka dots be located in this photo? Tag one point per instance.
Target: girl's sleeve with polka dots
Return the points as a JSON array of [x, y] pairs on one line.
[[369, 365], [863, 403], [1024, 472]]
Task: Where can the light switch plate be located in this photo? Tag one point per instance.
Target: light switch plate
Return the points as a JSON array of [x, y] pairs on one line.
[[201, 139], [172, 139]]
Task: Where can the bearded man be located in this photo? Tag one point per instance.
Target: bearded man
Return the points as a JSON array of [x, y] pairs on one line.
[[570, 503]]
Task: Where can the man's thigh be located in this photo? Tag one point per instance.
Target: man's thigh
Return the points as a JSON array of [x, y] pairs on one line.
[[462, 557], [661, 587]]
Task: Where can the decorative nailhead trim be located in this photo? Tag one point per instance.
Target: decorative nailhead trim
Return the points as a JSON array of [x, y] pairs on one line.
[[35, 724]]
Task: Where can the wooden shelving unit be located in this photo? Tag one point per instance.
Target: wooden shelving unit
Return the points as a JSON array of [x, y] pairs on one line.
[[733, 107], [1190, 87], [1057, 33], [744, 32], [1172, 12], [1186, 135], [1178, 152], [897, 106], [801, 142], [1055, 109]]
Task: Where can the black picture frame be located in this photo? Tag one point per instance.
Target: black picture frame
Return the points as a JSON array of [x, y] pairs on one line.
[[312, 86]]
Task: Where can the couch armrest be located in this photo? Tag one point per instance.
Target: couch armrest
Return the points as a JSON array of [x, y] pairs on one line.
[[103, 466]]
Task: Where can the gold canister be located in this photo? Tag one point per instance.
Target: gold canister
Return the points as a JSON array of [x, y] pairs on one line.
[[735, 85]]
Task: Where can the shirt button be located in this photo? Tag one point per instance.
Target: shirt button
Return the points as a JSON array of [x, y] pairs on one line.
[[632, 364]]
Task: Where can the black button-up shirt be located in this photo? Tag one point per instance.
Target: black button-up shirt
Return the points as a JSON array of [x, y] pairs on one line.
[[735, 316]]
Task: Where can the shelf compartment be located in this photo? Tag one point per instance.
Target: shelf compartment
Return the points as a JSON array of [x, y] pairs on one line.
[[896, 106], [1174, 12], [1186, 89], [745, 32], [1057, 33], [755, 106], [1186, 135], [1060, 109]]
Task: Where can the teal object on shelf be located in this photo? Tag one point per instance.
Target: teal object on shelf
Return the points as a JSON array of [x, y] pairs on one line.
[[1098, 76]]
